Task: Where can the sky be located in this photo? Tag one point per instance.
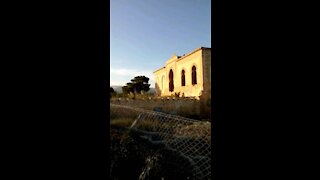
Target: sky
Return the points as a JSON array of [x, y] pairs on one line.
[[144, 34]]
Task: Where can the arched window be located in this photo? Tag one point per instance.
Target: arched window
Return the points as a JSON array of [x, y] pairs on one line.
[[171, 86], [183, 78], [194, 75]]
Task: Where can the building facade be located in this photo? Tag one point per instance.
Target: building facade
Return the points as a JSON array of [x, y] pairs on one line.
[[188, 75]]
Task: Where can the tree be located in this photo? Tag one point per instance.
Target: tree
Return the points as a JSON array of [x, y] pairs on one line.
[[137, 85]]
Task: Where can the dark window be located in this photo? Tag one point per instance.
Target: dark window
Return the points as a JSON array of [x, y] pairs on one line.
[[183, 79], [171, 86], [194, 75]]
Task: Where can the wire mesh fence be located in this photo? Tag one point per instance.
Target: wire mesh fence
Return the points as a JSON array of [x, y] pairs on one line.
[[181, 146]]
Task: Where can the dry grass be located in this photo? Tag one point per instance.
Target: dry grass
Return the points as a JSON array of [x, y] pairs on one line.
[[129, 151], [141, 125], [125, 122], [195, 130], [183, 107]]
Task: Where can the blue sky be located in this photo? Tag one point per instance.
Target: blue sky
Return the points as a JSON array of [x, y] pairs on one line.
[[144, 34]]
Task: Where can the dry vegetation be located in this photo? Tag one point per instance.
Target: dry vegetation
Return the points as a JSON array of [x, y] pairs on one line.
[[138, 157], [125, 122], [185, 107], [196, 130]]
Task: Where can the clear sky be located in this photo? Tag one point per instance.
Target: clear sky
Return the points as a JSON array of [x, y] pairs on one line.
[[144, 34]]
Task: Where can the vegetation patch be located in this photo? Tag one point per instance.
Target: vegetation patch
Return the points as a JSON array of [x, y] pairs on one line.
[[125, 122]]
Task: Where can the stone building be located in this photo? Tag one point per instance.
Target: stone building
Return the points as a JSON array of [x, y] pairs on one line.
[[189, 75]]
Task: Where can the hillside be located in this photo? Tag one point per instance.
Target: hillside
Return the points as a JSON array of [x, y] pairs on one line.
[[118, 89]]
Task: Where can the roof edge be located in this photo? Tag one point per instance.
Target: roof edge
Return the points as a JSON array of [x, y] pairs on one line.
[[182, 57], [194, 51], [159, 69]]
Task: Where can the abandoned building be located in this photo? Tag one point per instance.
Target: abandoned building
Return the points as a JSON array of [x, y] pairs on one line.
[[188, 75]]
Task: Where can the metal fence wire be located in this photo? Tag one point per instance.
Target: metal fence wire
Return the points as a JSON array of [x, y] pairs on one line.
[[181, 142]]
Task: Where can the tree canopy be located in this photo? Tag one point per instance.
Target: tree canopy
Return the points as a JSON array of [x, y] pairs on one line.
[[137, 85]]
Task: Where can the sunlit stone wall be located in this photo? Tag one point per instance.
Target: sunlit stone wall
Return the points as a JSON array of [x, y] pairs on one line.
[[201, 59]]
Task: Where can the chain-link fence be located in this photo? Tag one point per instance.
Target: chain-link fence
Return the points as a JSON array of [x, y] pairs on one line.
[[181, 146]]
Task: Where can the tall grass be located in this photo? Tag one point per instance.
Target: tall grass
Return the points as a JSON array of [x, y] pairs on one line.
[[189, 108]]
